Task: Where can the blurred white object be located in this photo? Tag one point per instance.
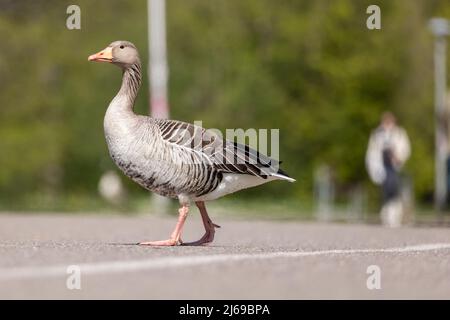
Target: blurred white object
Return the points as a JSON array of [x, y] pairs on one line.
[[392, 213], [110, 187]]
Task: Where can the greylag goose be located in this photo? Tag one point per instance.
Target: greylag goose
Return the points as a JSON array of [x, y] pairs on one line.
[[173, 158]]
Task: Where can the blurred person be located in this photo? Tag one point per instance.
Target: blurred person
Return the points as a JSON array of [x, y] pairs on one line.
[[388, 150]]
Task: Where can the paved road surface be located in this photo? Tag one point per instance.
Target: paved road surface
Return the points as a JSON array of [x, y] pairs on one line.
[[248, 260]]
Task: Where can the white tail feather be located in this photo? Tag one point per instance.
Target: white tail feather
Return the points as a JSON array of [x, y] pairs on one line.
[[283, 177]]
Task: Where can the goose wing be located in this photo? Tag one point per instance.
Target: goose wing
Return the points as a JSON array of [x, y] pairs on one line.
[[208, 147]]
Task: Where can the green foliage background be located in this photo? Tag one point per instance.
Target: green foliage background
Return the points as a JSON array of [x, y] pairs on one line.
[[310, 68]]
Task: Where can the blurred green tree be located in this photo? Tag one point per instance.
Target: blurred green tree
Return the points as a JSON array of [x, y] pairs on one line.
[[310, 68]]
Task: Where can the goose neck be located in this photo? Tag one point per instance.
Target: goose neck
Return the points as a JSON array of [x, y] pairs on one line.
[[131, 82]]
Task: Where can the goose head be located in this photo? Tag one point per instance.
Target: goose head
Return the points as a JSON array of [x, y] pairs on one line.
[[121, 53]]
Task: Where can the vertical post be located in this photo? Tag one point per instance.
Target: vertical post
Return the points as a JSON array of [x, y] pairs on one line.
[[158, 76], [440, 29], [441, 132], [158, 73], [323, 193]]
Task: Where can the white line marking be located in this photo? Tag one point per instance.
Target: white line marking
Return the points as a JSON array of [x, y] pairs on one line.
[[109, 267]]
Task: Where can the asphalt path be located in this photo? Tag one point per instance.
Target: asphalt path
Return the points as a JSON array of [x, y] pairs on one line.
[[41, 253]]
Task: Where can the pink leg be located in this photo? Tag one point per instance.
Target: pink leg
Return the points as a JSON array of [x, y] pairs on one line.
[[208, 237], [176, 234]]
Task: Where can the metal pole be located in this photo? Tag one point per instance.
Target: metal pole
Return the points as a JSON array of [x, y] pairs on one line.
[[323, 193], [158, 76], [158, 73], [441, 132], [440, 29]]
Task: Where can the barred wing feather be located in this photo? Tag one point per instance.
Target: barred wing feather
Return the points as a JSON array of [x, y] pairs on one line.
[[209, 148]]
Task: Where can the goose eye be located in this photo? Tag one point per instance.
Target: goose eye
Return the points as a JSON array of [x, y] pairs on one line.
[[121, 47]]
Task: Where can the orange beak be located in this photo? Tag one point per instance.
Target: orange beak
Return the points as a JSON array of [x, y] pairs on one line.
[[103, 56]]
